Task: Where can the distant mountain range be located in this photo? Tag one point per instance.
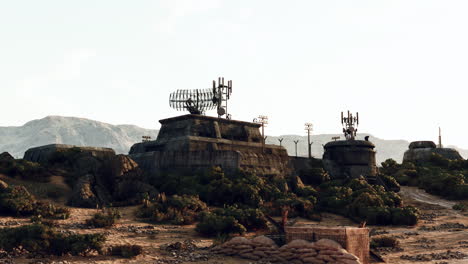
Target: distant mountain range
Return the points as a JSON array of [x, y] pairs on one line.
[[73, 131], [85, 132]]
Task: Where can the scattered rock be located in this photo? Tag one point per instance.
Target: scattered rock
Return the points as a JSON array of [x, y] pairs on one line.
[[435, 256]]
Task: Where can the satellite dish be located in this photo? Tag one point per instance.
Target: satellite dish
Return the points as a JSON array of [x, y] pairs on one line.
[[221, 111]]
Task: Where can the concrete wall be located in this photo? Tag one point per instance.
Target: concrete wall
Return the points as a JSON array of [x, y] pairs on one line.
[[43, 153]]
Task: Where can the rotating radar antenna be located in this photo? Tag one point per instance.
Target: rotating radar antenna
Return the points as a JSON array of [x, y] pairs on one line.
[[198, 101], [350, 124]]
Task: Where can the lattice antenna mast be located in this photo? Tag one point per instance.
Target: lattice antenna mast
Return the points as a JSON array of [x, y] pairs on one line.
[[222, 94], [350, 124]]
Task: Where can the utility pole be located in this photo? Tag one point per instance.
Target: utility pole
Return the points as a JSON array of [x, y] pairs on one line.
[[281, 141], [308, 128], [263, 120], [440, 138], [295, 142]]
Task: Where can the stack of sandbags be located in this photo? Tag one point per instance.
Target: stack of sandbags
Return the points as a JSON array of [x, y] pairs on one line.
[[296, 252]]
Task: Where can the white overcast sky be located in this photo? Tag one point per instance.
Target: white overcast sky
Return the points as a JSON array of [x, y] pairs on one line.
[[402, 64]]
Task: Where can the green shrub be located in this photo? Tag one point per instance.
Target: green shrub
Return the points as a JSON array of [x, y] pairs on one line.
[[376, 215], [16, 201], [106, 219], [218, 225], [25, 169], [250, 218], [385, 241], [174, 209], [390, 182], [405, 216], [38, 238], [460, 206], [126, 251], [48, 210]]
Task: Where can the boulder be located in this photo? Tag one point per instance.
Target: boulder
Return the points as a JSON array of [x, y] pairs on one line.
[[3, 185]]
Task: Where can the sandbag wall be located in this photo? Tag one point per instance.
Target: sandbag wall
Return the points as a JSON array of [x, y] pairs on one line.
[[296, 252]]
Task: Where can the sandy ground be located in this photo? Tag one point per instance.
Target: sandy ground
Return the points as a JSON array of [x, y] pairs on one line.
[[435, 211], [130, 230]]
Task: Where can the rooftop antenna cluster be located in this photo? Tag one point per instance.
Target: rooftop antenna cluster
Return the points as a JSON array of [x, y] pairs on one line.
[[350, 124], [198, 101]]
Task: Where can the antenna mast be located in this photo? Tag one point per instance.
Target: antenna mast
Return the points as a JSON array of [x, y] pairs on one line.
[[350, 124]]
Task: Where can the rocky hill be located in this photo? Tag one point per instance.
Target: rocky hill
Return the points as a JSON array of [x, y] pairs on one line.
[[85, 132], [70, 130]]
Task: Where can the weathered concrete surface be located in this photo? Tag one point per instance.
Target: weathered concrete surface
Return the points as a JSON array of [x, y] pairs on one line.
[[43, 153], [350, 159], [195, 141], [421, 152]]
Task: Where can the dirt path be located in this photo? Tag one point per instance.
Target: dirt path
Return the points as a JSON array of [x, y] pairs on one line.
[[414, 193]]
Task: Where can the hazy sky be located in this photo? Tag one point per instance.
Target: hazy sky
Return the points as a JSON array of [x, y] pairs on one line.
[[402, 64]]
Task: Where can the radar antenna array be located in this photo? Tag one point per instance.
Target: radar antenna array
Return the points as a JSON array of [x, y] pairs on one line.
[[198, 101]]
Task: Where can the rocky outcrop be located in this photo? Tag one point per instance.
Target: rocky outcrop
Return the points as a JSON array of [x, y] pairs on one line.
[[421, 152], [6, 157], [97, 176], [83, 194], [297, 251]]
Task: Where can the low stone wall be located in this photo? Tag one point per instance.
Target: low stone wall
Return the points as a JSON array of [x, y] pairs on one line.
[[296, 252]]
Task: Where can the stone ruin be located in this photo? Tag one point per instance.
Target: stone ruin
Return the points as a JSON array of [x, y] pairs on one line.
[[296, 251], [197, 142], [421, 151]]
